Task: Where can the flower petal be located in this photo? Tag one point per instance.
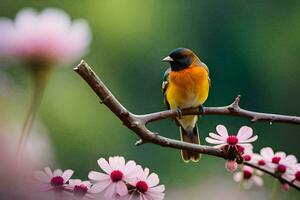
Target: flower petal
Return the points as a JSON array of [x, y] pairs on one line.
[[73, 182], [117, 162], [267, 153], [144, 175], [103, 164], [160, 188], [57, 172], [222, 131], [121, 188], [100, 186], [111, 191], [67, 175], [289, 160], [244, 133], [213, 141], [42, 176], [258, 181], [280, 154], [217, 137], [97, 176], [48, 172], [254, 138], [152, 180]]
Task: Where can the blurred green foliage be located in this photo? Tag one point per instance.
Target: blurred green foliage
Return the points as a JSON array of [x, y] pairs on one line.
[[252, 49]]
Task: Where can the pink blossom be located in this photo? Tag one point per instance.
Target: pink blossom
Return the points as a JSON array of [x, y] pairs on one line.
[[53, 180], [231, 165], [118, 173], [285, 187], [48, 37], [280, 162], [249, 177], [241, 141], [79, 188], [297, 175], [146, 187]]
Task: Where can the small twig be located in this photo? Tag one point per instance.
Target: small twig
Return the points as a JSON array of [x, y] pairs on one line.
[[137, 123]]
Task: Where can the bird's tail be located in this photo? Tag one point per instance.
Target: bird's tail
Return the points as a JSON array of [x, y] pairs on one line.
[[190, 136]]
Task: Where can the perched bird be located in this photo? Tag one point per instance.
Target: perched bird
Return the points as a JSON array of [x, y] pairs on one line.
[[186, 85]]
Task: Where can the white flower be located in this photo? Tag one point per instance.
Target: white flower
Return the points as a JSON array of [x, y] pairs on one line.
[[280, 162], [53, 180], [79, 188], [249, 177], [118, 173], [241, 141], [147, 187]]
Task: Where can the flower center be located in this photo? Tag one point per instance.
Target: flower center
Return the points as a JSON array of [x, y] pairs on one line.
[[247, 174], [247, 157], [57, 181], [281, 168], [276, 159], [116, 176], [240, 149], [80, 190], [261, 162], [232, 140], [142, 186], [298, 175]]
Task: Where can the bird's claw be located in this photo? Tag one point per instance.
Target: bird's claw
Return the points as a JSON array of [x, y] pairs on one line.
[[179, 112], [201, 109]]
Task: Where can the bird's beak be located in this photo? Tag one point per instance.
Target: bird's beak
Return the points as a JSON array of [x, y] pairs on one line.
[[167, 59]]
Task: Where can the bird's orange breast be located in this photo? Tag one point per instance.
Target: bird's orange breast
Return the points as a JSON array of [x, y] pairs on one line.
[[188, 88]]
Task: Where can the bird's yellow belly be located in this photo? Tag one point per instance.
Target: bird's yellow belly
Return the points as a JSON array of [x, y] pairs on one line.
[[188, 89]]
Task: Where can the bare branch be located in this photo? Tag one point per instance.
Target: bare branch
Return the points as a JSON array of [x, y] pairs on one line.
[[137, 123]]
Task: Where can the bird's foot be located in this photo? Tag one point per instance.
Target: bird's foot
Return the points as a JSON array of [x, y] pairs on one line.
[[201, 110], [179, 112]]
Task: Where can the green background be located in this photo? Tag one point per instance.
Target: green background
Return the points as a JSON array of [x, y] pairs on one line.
[[252, 48]]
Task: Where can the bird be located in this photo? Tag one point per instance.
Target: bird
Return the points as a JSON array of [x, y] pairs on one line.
[[186, 84]]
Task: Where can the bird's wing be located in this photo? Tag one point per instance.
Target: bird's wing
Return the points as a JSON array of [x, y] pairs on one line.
[[165, 85], [206, 68]]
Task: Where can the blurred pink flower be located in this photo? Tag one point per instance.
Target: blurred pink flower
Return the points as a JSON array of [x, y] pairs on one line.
[[249, 177], [231, 165], [297, 175], [241, 141], [79, 188], [48, 37], [147, 187], [280, 162], [53, 180], [117, 173], [285, 187]]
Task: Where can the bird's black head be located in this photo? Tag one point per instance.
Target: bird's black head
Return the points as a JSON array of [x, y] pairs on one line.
[[181, 58]]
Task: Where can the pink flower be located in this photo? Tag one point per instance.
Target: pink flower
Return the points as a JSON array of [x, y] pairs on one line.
[[47, 38], [285, 187], [79, 188], [146, 186], [279, 162], [297, 175], [118, 173], [241, 141], [249, 177], [231, 165], [53, 180]]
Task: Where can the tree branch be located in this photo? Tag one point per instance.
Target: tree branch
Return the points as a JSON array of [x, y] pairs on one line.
[[137, 123]]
